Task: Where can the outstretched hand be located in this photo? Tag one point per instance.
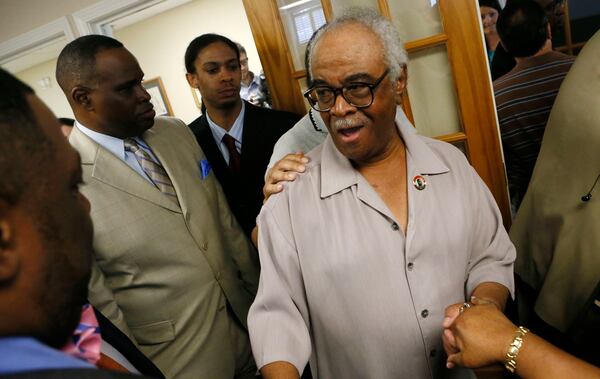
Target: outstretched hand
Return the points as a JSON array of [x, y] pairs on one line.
[[481, 335], [448, 339]]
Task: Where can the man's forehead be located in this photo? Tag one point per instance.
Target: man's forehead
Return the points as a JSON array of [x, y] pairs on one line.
[[216, 52], [348, 53]]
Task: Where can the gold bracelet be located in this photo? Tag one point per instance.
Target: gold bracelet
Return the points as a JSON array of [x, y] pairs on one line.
[[513, 349]]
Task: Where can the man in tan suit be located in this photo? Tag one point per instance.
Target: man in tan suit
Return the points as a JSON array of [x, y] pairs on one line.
[[173, 270]]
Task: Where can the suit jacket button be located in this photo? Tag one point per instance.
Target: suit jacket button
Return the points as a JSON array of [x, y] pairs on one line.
[[204, 246]]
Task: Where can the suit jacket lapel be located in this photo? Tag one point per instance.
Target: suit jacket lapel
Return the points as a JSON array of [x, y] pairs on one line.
[[251, 141], [112, 171], [167, 154], [211, 150]]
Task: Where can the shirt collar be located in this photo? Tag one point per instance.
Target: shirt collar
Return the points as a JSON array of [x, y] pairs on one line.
[[236, 130], [337, 172], [113, 144]]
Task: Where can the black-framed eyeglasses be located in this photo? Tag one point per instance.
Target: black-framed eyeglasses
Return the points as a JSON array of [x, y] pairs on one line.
[[357, 94]]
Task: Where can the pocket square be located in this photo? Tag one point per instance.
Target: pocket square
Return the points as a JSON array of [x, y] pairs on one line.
[[205, 168]]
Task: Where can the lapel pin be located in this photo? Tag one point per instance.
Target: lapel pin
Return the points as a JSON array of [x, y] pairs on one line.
[[419, 182]]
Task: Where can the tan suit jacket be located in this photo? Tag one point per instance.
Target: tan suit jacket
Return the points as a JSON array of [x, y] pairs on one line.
[[557, 234], [179, 280]]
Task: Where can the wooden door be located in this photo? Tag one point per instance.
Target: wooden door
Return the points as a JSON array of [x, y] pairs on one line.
[[449, 94]]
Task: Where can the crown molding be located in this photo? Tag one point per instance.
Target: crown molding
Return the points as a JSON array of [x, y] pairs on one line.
[[34, 39], [34, 47], [96, 18]]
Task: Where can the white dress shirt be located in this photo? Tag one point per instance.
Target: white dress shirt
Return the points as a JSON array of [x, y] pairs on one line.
[[236, 132], [117, 147]]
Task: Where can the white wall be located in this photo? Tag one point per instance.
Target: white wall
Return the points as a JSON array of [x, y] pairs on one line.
[[159, 44], [53, 96]]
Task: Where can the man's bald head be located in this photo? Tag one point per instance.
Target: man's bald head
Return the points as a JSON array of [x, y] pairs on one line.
[[77, 61]]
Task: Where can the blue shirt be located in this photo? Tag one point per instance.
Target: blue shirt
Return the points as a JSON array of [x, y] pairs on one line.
[[236, 132], [21, 354], [117, 147]]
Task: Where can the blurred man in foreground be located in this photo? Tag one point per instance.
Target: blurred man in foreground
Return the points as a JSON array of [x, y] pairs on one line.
[[45, 240]]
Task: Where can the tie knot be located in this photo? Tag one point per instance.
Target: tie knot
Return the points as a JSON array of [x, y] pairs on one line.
[[131, 145], [229, 141]]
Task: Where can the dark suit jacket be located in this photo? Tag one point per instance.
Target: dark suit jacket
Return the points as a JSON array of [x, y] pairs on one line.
[[117, 339], [262, 129]]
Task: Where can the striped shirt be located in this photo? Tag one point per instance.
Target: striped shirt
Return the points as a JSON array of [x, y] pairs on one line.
[[524, 99]]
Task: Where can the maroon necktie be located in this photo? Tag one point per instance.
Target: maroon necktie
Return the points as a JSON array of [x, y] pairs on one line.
[[235, 159]]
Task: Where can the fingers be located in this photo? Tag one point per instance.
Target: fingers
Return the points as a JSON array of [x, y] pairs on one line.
[[286, 170], [449, 342], [448, 339], [292, 162], [451, 313], [270, 189], [454, 360], [447, 323]]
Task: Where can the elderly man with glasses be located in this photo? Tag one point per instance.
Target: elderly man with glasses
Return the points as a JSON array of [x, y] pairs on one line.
[[384, 235]]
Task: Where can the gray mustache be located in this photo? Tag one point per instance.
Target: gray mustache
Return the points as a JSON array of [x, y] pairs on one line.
[[345, 123]]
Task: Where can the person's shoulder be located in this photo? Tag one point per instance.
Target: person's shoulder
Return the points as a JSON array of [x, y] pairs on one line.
[[446, 152], [306, 182], [197, 122], [167, 122], [505, 81], [557, 55], [274, 114], [173, 129]]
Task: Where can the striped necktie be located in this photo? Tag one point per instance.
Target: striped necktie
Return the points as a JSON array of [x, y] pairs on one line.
[[154, 170]]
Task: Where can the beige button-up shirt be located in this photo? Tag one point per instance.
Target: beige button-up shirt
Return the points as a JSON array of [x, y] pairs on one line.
[[342, 285]]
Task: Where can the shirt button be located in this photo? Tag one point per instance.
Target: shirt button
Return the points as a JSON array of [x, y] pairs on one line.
[[410, 266], [395, 226], [424, 313]]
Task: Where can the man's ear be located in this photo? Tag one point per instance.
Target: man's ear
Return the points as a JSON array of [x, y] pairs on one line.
[[9, 257], [402, 80], [401, 84], [192, 80], [81, 96]]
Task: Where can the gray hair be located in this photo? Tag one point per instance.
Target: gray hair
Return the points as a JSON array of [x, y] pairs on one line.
[[394, 55]]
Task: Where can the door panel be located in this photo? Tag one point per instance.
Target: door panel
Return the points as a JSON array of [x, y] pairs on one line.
[[338, 6], [432, 92], [415, 19]]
